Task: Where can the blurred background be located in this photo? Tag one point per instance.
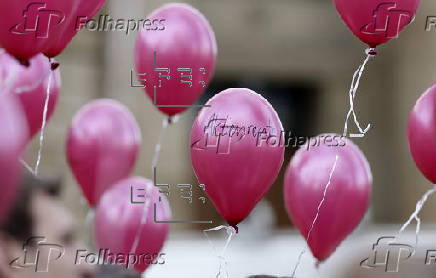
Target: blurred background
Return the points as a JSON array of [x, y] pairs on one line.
[[301, 57]]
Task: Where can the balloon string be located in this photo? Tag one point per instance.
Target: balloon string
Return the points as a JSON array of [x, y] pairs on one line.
[[352, 93], [221, 257], [9, 82], [415, 215], [27, 166], [316, 217], [11, 77], [135, 243], [165, 123], [90, 215], [44, 123], [33, 86]]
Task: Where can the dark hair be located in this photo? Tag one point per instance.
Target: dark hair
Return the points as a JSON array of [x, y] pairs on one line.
[[19, 224]]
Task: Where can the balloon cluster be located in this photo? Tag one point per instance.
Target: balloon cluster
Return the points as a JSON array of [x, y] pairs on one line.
[[327, 189], [104, 139], [28, 27]]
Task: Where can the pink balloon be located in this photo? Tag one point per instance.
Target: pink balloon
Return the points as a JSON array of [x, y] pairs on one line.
[[376, 22], [13, 138], [83, 11], [422, 134], [118, 222], [347, 196], [28, 27], [184, 42], [231, 154], [102, 146], [30, 85]]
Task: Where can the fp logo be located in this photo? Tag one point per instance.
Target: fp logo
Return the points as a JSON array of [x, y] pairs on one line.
[[388, 254], [387, 20], [38, 19], [38, 254]]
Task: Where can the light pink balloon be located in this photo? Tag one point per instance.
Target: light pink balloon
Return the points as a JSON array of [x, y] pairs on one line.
[[102, 146], [376, 22], [13, 138], [118, 222], [28, 27], [237, 168], [347, 196], [186, 42], [30, 85], [422, 134], [83, 11]]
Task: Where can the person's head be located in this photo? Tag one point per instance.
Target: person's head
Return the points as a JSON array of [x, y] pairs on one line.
[[38, 240]]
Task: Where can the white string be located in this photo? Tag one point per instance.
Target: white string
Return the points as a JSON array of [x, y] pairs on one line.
[[222, 259], [9, 82], [352, 94], [11, 77], [141, 225], [154, 162], [415, 215], [157, 148], [44, 123], [27, 166], [33, 86], [90, 215], [316, 216]]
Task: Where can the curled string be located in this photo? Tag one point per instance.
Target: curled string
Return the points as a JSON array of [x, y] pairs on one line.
[[415, 215], [222, 259], [315, 219], [370, 52]]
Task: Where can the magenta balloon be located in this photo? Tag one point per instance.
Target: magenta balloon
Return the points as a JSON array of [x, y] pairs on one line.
[[347, 197], [83, 11], [376, 22], [28, 27], [118, 221], [187, 42], [236, 167], [30, 85], [422, 134], [13, 138], [102, 146]]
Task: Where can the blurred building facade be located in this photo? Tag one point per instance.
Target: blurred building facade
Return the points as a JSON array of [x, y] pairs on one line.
[[302, 44]]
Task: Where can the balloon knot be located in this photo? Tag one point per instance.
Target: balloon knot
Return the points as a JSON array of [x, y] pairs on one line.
[[235, 227], [371, 51], [173, 119], [24, 62], [54, 66]]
